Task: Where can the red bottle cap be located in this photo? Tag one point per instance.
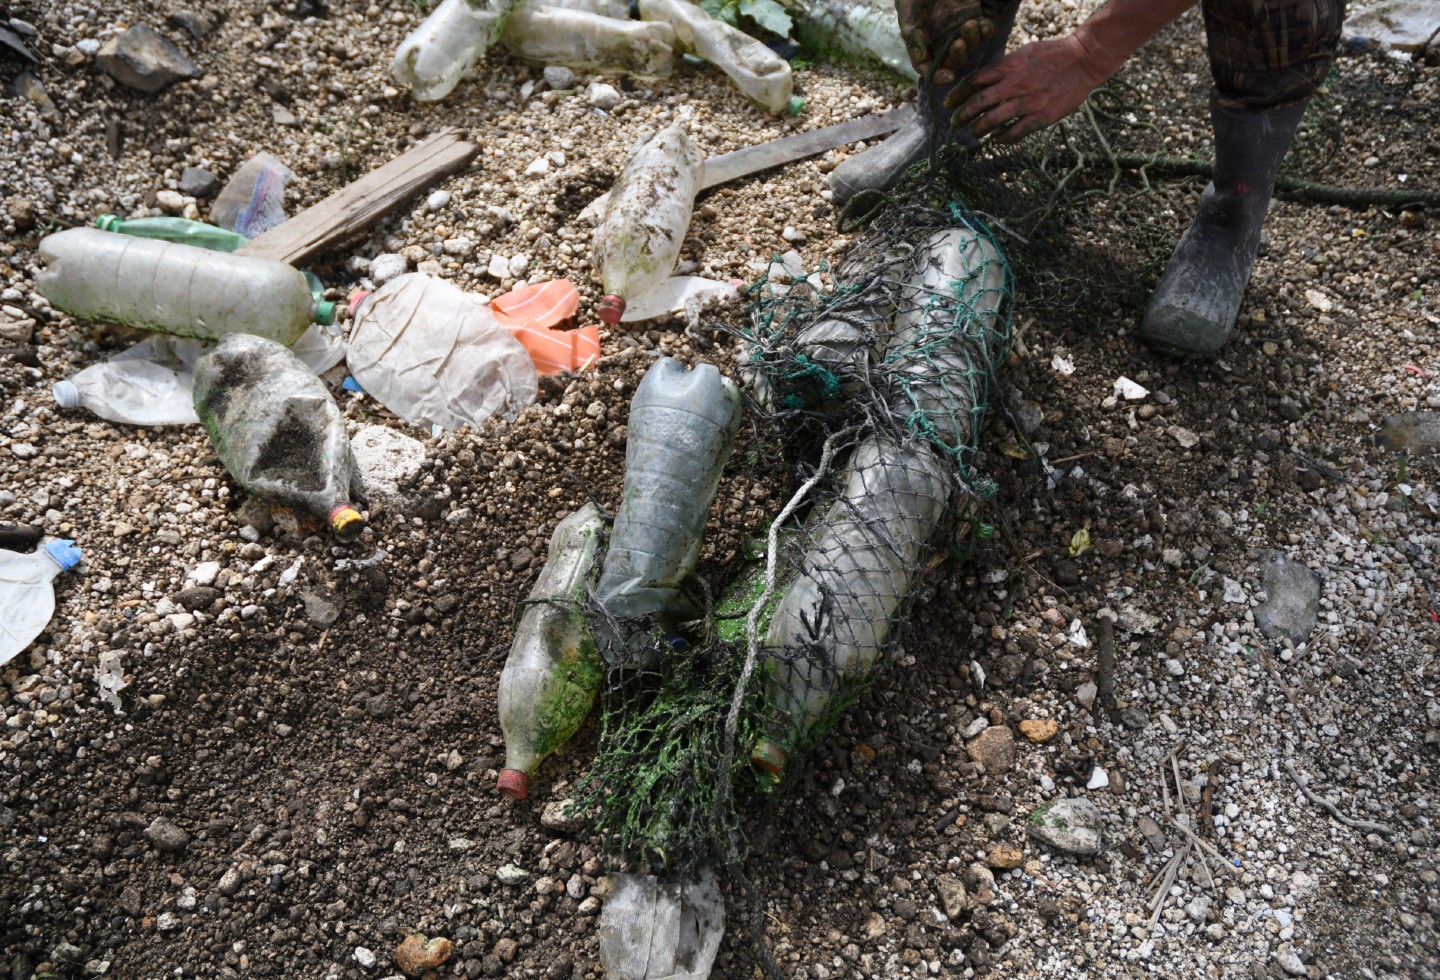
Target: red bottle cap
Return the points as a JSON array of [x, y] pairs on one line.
[[768, 757], [513, 783], [346, 522], [612, 308]]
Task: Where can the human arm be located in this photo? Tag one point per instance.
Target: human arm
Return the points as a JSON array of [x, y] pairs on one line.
[[1041, 83]]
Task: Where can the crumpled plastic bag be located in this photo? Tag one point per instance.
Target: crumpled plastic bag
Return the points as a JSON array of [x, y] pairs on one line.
[[653, 930], [436, 356], [253, 201]]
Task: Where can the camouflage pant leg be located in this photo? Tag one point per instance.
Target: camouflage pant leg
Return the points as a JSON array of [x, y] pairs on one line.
[[1265, 54]]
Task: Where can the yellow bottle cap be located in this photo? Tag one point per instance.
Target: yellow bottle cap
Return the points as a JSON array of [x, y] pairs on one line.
[[346, 522]]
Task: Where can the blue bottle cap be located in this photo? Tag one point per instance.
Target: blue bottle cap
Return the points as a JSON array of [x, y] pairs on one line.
[[65, 553]]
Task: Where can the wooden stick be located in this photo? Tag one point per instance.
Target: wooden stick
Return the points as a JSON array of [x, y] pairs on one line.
[[361, 203]]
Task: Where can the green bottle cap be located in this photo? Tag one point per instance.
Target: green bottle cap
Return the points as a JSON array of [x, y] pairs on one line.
[[797, 103], [107, 222], [324, 312]]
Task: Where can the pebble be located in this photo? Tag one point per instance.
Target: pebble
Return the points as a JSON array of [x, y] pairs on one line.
[[364, 957], [417, 954], [1039, 730], [458, 247], [519, 265], [1152, 833], [539, 167], [171, 202], [322, 610], [499, 267], [387, 266], [1292, 600], [205, 573], [509, 874], [1290, 961], [602, 96], [993, 748], [557, 816], [559, 77], [951, 892], [1069, 825], [142, 59], [1004, 856], [437, 200], [198, 182], [166, 836], [167, 922]]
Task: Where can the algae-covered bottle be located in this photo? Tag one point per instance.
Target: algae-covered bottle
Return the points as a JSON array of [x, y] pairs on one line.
[[553, 672], [455, 36], [760, 73], [277, 430], [867, 30], [590, 41], [859, 567], [638, 241], [175, 289]]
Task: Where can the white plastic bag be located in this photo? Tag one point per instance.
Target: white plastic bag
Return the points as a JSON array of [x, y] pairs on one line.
[[651, 930]]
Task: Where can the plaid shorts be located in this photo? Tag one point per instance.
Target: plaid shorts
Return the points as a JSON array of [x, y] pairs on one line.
[[1265, 54]]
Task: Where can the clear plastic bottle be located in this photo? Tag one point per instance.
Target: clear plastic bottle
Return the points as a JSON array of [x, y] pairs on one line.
[[131, 391], [638, 241], [181, 231], [27, 597], [553, 672], [455, 36], [860, 565], [436, 356], [661, 930], [277, 430], [867, 30], [619, 9], [175, 289], [681, 430], [760, 73], [590, 41]]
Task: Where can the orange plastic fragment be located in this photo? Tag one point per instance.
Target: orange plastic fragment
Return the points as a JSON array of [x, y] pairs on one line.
[[559, 351], [545, 304]]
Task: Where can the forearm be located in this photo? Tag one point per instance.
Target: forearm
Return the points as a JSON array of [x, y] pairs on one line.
[[1119, 28]]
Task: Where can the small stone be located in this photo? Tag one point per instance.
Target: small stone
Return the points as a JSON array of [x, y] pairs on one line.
[[539, 167], [141, 59], [557, 816], [197, 597], [167, 922], [952, 895], [198, 182], [1182, 435], [387, 266], [33, 91], [166, 836], [194, 24], [1290, 961], [22, 211], [188, 899], [1004, 856], [1152, 833], [1085, 694], [417, 954], [364, 957], [506, 949], [379, 707], [23, 450], [509, 874], [1069, 825], [1039, 730], [171, 202], [322, 610], [230, 882], [1099, 779], [994, 748], [559, 77], [519, 265], [1292, 599], [1199, 909], [602, 96], [458, 247], [793, 235], [874, 926], [205, 573], [282, 115], [499, 267], [437, 200]]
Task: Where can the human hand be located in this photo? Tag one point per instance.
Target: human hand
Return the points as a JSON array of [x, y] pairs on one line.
[[927, 23], [1032, 87]]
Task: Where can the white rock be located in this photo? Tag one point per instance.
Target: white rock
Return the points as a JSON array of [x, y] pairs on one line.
[[539, 167], [387, 266], [437, 200], [602, 96], [387, 460], [519, 265], [509, 874], [458, 247], [499, 267], [171, 202], [364, 957], [1099, 779], [204, 573], [559, 77]]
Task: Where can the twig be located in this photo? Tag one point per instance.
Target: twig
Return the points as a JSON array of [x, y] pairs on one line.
[[1104, 665], [1205, 849], [1330, 807], [1167, 878], [1207, 819]]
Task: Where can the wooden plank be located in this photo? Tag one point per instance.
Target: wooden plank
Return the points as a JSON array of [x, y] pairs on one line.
[[361, 203]]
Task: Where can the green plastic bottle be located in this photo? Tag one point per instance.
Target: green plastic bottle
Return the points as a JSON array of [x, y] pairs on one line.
[[181, 231]]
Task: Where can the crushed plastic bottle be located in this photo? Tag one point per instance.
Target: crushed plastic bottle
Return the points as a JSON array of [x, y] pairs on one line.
[[181, 231], [619, 9], [175, 289], [866, 30], [681, 430], [253, 199], [131, 391], [761, 74], [653, 930], [436, 356], [553, 672], [858, 568], [638, 242], [456, 35], [279, 433], [590, 41], [27, 597]]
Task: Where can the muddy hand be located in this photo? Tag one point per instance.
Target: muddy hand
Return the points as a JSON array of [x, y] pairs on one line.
[[1031, 88], [959, 25]]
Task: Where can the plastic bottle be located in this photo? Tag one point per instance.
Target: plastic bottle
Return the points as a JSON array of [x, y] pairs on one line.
[[131, 391], [176, 289], [277, 430], [27, 598], [954, 289], [860, 565], [757, 71], [590, 41], [436, 356], [619, 9], [553, 672], [638, 241], [654, 930], [181, 231], [867, 30], [455, 36], [681, 430]]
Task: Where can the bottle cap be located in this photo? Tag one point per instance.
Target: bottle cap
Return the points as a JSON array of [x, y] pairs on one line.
[[107, 222], [797, 103], [513, 783], [66, 555], [324, 312], [612, 308], [346, 522], [769, 757], [66, 394]]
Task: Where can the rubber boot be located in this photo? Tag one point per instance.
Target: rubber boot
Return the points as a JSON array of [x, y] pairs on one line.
[[880, 167], [1194, 306]]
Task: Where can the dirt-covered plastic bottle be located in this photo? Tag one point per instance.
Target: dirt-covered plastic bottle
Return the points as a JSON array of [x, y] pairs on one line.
[[181, 231], [175, 289], [456, 35], [861, 563], [638, 241], [553, 672], [681, 430], [590, 41], [760, 73], [27, 597], [276, 429], [866, 30]]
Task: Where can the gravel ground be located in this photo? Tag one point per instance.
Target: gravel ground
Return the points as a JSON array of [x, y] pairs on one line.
[[300, 770]]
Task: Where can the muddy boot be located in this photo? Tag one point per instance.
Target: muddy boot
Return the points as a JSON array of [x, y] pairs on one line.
[[878, 168], [1194, 306]]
